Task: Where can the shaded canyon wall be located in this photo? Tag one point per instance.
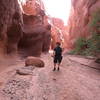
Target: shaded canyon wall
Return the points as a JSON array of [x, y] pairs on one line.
[[23, 27], [36, 29], [10, 26]]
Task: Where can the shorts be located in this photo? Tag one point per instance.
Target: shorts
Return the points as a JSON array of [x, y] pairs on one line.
[[57, 59]]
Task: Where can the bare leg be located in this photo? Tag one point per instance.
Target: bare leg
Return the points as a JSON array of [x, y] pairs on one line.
[[58, 66], [54, 67], [59, 62]]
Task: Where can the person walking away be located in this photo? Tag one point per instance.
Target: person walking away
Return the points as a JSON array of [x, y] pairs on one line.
[[57, 55]]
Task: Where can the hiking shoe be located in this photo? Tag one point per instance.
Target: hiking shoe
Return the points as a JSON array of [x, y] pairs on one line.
[[54, 69], [58, 69]]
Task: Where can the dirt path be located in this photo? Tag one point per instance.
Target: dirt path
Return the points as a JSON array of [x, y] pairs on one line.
[[72, 82]]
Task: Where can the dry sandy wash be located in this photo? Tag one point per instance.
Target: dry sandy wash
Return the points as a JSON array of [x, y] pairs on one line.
[[73, 82]]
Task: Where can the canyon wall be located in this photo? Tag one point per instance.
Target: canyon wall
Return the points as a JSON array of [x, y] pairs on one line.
[[80, 18], [36, 37], [36, 29], [23, 26], [58, 31], [10, 25]]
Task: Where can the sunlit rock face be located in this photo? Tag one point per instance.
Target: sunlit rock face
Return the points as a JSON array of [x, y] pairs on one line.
[[59, 32], [36, 30], [10, 26], [33, 7], [80, 18], [36, 8]]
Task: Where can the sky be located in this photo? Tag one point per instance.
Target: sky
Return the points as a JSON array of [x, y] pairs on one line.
[[58, 8]]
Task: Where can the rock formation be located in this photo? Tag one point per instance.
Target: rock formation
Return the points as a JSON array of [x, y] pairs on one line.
[[23, 25], [80, 18], [58, 31], [34, 61], [36, 34], [26, 26], [36, 37], [10, 26]]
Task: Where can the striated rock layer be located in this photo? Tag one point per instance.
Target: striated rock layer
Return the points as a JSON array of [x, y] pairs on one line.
[[80, 19]]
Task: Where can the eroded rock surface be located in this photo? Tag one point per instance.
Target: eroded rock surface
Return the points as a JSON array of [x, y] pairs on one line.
[[36, 31], [25, 70], [80, 18], [34, 61], [10, 25], [29, 30]]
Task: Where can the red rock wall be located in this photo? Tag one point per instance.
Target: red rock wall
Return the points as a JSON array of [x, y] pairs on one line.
[[80, 18], [36, 37], [59, 32], [33, 7], [29, 30], [10, 26], [36, 31]]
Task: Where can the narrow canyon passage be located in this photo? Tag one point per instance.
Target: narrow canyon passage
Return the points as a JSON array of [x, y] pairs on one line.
[[72, 82], [32, 29]]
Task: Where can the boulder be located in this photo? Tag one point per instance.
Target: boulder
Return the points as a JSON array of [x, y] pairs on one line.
[[25, 70], [34, 61]]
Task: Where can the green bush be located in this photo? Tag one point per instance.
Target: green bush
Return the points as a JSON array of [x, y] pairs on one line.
[[80, 47], [87, 47]]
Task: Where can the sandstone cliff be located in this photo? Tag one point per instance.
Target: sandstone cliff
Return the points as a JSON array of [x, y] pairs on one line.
[[80, 19], [36, 29], [23, 25], [58, 31], [10, 26]]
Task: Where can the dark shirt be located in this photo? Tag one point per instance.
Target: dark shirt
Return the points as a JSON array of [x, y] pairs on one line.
[[58, 51]]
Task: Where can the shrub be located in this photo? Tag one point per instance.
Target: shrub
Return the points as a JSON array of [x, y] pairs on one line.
[[87, 47]]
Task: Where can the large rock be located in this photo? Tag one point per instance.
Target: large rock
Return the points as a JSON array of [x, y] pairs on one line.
[[36, 32], [25, 70], [10, 25], [34, 61], [80, 18], [36, 37]]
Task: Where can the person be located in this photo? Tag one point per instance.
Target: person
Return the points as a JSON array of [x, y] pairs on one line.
[[57, 55]]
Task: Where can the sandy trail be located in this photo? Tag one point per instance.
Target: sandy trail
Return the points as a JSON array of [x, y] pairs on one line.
[[72, 82]]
